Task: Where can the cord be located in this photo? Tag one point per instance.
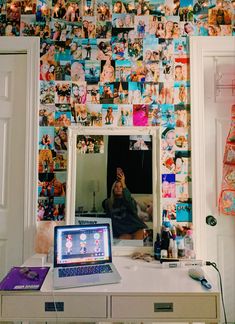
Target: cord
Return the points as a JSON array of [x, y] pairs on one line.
[[213, 264]]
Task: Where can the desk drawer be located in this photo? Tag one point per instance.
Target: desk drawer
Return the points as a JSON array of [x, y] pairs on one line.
[[21, 306], [172, 307]]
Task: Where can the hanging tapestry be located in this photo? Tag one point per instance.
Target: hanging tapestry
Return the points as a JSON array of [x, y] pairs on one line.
[[227, 195]]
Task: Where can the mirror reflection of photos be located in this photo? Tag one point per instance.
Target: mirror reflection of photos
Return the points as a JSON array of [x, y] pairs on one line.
[[45, 209], [51, 209], [45, 185], [140, 142], [52, 184], [90, 144]]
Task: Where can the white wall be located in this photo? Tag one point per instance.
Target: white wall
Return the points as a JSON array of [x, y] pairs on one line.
[[91, 167]]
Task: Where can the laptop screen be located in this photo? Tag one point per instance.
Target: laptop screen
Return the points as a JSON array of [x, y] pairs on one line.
[[82, 245]]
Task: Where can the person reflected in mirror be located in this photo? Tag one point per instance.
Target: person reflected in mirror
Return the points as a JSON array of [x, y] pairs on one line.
[[121, 207]]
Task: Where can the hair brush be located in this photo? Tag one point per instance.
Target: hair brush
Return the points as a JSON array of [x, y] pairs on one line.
[[198, 274]]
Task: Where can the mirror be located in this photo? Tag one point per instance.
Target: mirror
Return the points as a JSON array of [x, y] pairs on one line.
[[97, 157]]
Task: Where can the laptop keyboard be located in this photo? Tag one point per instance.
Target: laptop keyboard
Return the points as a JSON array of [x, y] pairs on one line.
[[83, 271]]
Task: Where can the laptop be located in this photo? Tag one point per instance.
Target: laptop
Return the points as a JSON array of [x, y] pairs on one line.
[[81, 220], [83, 256]]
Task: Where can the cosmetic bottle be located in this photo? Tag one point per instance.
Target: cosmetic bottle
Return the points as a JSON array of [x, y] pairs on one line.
[[174, 250], [188, 245], [157, 247], [181, 249]]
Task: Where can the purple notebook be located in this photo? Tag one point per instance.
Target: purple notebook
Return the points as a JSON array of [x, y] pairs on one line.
[[24, 278]]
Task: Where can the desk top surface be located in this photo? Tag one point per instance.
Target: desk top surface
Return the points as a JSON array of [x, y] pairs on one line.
[[143, 277]]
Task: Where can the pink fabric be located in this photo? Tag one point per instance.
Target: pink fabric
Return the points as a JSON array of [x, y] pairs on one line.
[[227, 195]]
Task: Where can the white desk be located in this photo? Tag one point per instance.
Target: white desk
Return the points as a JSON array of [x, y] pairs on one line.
[[146, 293]]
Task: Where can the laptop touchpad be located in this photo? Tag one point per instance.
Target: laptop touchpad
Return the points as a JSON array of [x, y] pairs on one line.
[[85, 279]]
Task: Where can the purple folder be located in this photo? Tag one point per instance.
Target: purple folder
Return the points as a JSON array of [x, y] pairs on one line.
[[24, 278]]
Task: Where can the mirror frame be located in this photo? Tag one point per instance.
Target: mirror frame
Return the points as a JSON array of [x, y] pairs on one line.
[[73, 132]]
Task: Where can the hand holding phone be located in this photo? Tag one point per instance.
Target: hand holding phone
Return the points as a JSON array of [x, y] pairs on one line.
[[119, 173]]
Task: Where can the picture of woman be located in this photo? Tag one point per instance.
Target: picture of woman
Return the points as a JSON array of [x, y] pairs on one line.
[[107, 75], [79, 93]]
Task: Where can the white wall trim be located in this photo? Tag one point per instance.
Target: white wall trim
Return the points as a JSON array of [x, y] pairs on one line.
[[30, 46], [201, 47]]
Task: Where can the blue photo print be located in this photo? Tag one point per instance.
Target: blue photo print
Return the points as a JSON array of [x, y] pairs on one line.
[[150, 46], [43, 10], [62, 118], [46, 138], [106, 92], [202, 6], [156, 7], [118, 20], [168, 186], [59, 208], [62, 51], [134, 92], [45, 190], [184, 212], [123, 70], [109, 115], [92, 72], [168, 115], [181, 46], [154, 115], [181, 92]]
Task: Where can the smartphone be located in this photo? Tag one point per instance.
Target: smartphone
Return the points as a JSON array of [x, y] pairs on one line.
[[119, 170]]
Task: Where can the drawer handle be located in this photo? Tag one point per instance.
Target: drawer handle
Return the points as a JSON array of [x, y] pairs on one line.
[[163, 307], [54, 306]]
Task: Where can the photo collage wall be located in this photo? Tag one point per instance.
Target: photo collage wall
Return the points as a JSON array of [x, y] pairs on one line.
[[115, 63]]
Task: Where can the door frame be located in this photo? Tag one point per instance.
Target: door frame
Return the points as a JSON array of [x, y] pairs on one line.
[[201, 47], [31, 47]]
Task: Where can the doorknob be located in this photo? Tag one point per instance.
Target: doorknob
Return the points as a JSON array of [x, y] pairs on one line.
[[211, 220]]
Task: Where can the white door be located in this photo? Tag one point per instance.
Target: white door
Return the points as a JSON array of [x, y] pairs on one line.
[[221, 237], [12, 158]]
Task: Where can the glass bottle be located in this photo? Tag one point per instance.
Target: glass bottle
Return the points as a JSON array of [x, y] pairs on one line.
[[189, 245]]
